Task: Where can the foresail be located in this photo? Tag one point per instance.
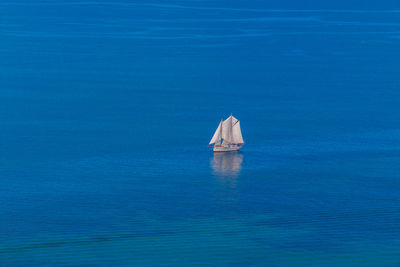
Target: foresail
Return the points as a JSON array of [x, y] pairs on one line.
[[217, 135]]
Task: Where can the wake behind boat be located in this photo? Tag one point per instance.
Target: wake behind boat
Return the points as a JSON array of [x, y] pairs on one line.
[[229, 133]]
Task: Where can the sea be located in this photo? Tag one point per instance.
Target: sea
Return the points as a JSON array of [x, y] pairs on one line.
[[107, 109]]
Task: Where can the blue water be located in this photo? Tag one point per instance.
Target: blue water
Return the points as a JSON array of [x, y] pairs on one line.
[[107, 109]]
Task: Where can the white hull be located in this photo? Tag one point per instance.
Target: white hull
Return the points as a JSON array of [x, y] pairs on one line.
[[226, 148]]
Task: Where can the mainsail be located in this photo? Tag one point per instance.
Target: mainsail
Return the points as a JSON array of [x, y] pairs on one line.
[[229, 131]]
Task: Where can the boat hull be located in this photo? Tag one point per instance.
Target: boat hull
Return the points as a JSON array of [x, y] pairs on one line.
[[226, 148]]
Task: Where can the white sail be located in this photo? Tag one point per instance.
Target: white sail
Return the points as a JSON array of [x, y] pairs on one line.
[[227, 130], [217, 135], [231, 132], [237, 133], [234, 120]]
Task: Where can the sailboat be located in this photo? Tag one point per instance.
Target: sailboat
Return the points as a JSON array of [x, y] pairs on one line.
[[229, 133]]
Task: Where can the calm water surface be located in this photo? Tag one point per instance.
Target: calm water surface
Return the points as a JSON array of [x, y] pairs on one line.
[[107, 109]]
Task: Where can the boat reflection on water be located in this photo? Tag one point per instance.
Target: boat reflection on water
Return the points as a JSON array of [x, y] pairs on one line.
[[227, 164]]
